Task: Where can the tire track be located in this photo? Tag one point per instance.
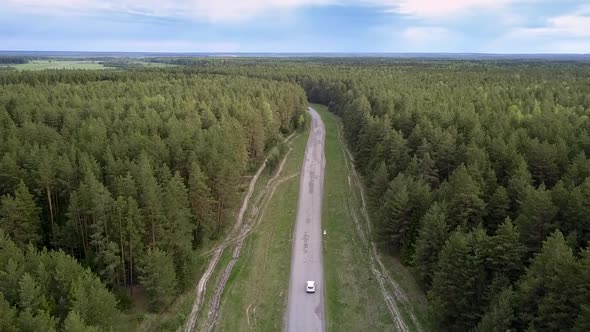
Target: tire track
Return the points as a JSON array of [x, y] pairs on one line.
[[218, 251], [202, 285], [258, 209], [379, 270]]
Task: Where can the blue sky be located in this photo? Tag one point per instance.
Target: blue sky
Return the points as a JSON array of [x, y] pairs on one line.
[[483, 26]]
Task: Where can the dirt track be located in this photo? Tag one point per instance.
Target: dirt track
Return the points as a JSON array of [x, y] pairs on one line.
[[397, 298], [236, 236]]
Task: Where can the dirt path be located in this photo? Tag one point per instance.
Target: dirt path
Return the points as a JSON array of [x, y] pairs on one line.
[[243, 234], [398, 298], [236, 236], [202, 285]]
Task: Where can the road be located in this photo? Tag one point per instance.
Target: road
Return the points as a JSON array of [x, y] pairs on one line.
[[305, 312]]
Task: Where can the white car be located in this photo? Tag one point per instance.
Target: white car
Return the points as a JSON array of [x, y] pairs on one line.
[[310, 287]]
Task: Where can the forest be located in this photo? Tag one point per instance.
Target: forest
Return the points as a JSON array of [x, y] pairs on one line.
[[110, 182], [477, 174]]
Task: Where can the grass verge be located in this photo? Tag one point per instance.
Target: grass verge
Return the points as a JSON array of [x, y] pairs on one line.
[[353, 299], [255, 296], [174, 317], [413, 307]]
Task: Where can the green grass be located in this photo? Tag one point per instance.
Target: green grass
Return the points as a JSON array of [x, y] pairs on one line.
[[417, 299], [255, 297], [353, 299], [59, 64]]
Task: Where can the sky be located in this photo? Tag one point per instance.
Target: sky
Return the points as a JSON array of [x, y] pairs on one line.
[[455, 26]]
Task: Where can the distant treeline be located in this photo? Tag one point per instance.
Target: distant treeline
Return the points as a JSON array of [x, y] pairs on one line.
[[13, 60]]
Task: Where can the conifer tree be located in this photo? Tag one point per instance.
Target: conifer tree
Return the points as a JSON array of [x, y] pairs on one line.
[[19, 216], [431, 239], [459, 283], [498, 208], [466, 207], [536, 219], [506, 256], [201, 202], [158, 278]]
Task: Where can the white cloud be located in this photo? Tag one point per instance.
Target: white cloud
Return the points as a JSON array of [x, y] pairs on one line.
[[416, 38], [121, 45], [571, 46], [570, 25], [427, 39], [568, 33], [239, 10], [211, 10], [443, 8], [425, 34], [161, 46]]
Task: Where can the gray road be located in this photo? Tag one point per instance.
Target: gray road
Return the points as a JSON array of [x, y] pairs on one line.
[[305, 312]]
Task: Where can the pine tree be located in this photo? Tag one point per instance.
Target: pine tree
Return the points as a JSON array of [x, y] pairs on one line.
[[10, 174], [506, 252], [576, 214], [158, 278], [500, 314], [465, 205], [498, 208], [201, 202], [583, 320], [546, 295], [19, 216], [395, 210], [150, 195], [396, 151], [428, 171], [39, 321], [583, 291], [129, 232], [519, 184], [125, 186], [75, 323], [93, 302], [459, 284], [378, 187], [30, 294], [431, 239], [46, 179], [178, 229], [8, 315], [537, 218]]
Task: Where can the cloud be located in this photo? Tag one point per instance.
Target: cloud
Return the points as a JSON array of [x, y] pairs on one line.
[[121, 45], [241, 10], [425, 35], [445, 8], [416, 38], [572, 46], [567, 33], [209, 10]]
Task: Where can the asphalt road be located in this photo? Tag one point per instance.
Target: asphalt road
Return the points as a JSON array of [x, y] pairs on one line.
[[305, 312]]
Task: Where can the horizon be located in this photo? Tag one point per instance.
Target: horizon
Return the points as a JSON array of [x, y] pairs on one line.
[[328, 53]]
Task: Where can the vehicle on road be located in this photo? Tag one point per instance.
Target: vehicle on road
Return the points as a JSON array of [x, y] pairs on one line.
[[310, 288]]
